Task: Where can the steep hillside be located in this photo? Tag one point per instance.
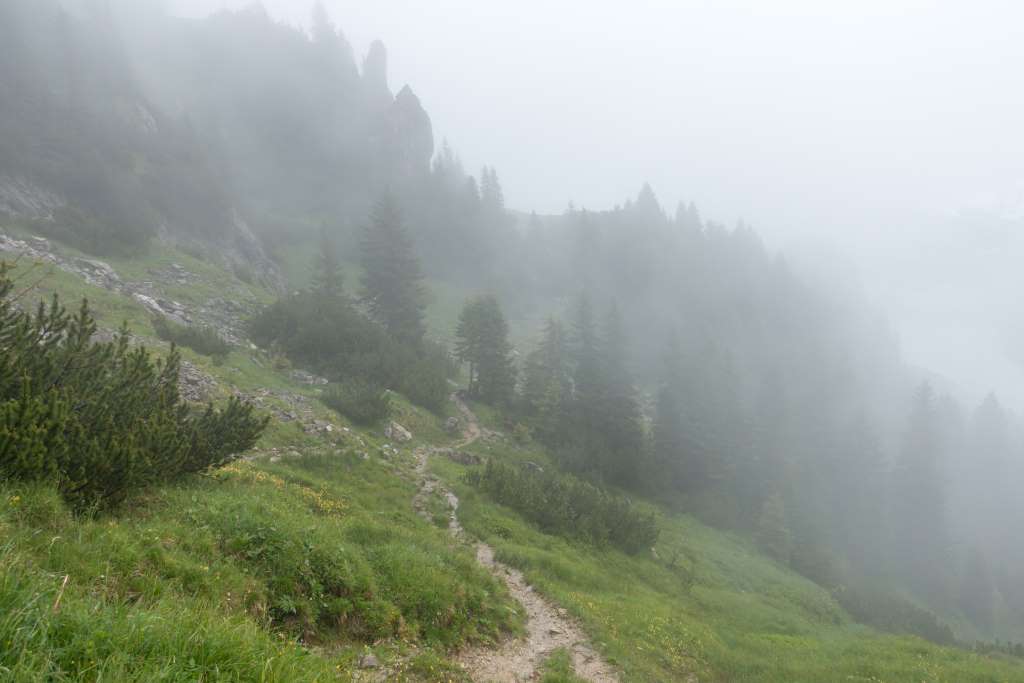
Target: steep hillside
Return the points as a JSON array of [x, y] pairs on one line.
[[308, 560]]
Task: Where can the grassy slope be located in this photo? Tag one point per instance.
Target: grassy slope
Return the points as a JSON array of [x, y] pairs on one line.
[[707, 602], [271, 571], [230, 577]]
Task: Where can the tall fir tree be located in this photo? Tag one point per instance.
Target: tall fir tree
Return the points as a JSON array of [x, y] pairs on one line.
[[547, 385], [482, 342], [392, 282], [492, 197], [669, 439], [469, 339], [588, 389]]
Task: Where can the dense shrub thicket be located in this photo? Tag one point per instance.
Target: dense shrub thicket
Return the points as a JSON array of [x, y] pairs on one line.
[[203, 340], [328, 335], [361, 402], [101, 419], [567, 506], [894, 614]]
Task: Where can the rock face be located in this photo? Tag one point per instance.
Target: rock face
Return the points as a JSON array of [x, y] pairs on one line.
[[397, 432], [308, 378], [20, 198], [227, 314], [408, 136], [195, 385], [375, 77]]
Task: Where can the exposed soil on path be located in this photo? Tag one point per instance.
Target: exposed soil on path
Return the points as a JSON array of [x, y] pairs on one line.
[[548, 627]]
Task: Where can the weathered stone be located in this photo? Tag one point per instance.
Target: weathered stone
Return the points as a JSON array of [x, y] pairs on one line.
[[397, 432], [453, 425]]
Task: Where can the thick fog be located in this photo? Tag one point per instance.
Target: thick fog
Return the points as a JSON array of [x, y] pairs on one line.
[[802, 351], [849, 134]]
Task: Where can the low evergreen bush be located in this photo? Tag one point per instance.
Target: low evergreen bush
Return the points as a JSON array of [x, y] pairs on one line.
[[330, 336], [201, 339], [567, 506], [361, 402], [892, 613], [101, 419]]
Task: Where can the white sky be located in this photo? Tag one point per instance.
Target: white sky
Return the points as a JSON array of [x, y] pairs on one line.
[[839, 126]]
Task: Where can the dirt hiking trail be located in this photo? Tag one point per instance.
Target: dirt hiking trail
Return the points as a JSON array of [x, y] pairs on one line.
[[548, 627]]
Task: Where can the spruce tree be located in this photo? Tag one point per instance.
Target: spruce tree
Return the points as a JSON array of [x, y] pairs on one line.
[[482, 342], [469, 339], [589, 389], [620, 411], [392, 282], [497, 365], [547, 385], [669, 437], [492, 198]]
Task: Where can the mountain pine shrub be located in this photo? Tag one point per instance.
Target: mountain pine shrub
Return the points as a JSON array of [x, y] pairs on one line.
[[201, 339], [564, 505], [101, 419]]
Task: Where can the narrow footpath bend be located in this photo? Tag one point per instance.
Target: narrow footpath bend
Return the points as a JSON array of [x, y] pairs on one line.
[[548, 627]]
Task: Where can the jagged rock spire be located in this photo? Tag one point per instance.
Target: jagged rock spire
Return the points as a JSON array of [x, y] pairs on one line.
[[375, 69]]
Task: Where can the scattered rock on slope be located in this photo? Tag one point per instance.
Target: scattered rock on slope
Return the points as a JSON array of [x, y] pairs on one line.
[[397, 432]]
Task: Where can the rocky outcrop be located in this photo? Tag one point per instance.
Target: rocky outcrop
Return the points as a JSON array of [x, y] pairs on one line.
[[397, 432], [408, 136], [195, 385], [226, 314], [375, 77], [23, 199]]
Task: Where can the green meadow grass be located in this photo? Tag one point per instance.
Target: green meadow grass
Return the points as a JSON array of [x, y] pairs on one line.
[[705, 602], [290, 571], [258, 572]]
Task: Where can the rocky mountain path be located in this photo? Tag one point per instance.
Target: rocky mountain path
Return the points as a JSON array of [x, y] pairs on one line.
[[548, 627]]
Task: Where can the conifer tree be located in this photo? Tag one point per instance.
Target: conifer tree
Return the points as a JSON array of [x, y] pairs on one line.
[[589, 387], [669, 437], [469, 339], [492, 198], [547, 385], [482, 342], [497, 367], [620, 418], [392, 282]]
